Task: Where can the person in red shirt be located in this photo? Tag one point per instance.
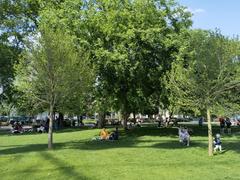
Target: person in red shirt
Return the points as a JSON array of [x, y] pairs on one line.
[[222, 125]]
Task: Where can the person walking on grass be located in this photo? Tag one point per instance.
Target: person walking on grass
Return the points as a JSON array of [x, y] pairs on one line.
[[200, 121], [228, 124], [222, 125]]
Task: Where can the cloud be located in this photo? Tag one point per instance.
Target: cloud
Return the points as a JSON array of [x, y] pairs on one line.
[[198, 11], [195, 11]]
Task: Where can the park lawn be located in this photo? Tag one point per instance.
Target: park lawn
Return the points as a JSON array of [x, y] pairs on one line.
[[141, 153]]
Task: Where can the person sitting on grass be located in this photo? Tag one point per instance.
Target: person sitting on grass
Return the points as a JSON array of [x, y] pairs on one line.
[[114, 135], [184, 136], [17, 128], [104, 134], [217, 143], [41, 129]]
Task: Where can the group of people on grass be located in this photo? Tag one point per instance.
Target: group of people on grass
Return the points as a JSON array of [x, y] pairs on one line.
[[106, 135], [165, 122], [225, 123], [184, 137], [183, 132], [18, 128]]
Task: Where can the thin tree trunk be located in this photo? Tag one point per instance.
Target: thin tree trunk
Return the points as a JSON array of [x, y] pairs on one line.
[[78, 120], [134, 117], [125, 118], [101, 122], [210, 140], [60, 120], [9, 114], [50, 131], [81, 120], [119, 116]]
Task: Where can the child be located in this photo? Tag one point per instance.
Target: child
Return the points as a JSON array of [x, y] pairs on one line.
[[217, 143]]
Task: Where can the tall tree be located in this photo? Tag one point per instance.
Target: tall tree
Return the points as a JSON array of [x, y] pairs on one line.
[[133, 48], [51, 71], [205, 75]]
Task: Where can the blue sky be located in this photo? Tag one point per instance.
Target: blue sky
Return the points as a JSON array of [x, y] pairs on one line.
[[211, 14]]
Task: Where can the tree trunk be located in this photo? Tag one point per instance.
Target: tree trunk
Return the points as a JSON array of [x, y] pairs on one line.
[[81, 120], [50, 130], [9, 115], [119, 116], [134, 118], [78, 120], [101, 120], [210, 139], [61, 119], [125, 118]]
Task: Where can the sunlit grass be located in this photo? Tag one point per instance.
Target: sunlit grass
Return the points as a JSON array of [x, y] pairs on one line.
[[141, 153]]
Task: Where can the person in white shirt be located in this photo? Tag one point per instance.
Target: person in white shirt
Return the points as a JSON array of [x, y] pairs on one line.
[[184, 136]]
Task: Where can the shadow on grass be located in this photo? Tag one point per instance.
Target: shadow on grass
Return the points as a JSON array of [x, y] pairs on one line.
[[176, 145], [18, 149], [173, 131], [72, 129], [24, 149], [65, 170], [128, 139], [101, 145], [4, 132], [232, 145], [61, 165]]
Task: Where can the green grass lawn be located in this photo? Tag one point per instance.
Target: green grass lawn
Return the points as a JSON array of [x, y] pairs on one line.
[[141, 153]]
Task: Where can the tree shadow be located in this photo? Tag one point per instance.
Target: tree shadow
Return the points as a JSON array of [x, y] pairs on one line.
[[19, 149], [232, 146], [174, 144], [23, 149], [4, 132], [128, 139], [72, 129], [67, 170]]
